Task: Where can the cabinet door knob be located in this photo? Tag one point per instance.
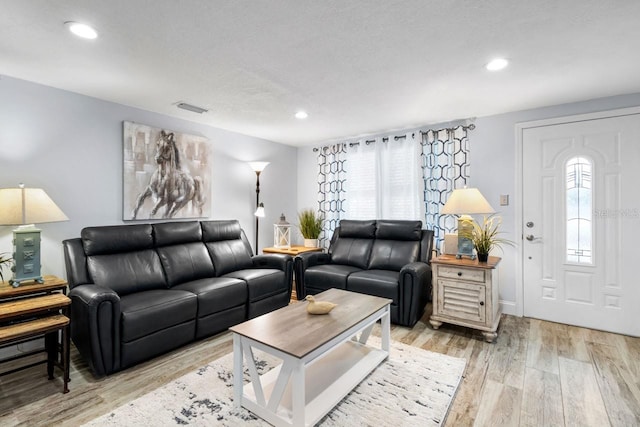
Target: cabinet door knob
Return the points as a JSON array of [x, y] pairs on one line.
[[481, 302], [459, 273]]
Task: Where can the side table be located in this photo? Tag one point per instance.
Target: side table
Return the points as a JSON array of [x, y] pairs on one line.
[[293, 250], [32, 311], [465, 293]]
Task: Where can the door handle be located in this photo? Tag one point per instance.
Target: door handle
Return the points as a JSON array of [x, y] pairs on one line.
[[530, 237]]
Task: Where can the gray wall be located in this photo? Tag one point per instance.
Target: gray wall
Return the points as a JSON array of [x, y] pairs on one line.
[[493, 169], [71, 145]]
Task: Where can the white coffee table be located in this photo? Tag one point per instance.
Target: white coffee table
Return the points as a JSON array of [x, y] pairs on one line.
[[323, 356]]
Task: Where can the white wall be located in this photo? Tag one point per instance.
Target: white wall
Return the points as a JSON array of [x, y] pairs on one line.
[[492, 157], [72, 146]]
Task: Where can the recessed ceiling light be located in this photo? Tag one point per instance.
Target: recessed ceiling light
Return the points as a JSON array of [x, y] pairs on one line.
[[301, 115], [81, 30], [497, 64]]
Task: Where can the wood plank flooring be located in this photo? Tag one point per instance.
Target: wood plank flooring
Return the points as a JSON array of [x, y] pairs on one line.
[[536, 374]]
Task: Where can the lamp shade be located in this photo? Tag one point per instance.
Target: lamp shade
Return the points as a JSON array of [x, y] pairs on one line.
[[260, 211], [258, 166], [19, 206], [465, 201]]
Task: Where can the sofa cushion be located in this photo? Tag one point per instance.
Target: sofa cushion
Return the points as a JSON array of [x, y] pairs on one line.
[[381, 283], [175, 233], [351, 251], [398, 230], [323, 277], [228, 250], [144, 313], [216, 294], [186, 262], [357, 228], [127, 272], [116, 239], [214, 231], [261, 282], [393, 254], [229, 255]]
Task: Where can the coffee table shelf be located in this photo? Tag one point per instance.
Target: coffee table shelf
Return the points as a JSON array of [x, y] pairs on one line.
[[327, 381], [330, 360]]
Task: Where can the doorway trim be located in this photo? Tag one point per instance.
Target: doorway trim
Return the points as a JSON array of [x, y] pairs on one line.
[[519, 179]]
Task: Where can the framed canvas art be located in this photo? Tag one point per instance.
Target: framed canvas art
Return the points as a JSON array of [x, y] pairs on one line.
[[166, 174]]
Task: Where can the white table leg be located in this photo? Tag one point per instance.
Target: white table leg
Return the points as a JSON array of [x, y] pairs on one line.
[[386, 329], [298, 394], [237, 372]]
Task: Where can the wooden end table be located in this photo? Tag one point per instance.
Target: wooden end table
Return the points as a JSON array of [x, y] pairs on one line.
[[32, 311], [293, 251], [465, 293]]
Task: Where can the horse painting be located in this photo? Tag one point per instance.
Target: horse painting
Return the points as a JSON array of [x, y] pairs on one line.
[[170, 186]]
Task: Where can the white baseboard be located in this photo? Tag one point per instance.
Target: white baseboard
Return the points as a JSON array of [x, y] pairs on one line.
[[508, 307]]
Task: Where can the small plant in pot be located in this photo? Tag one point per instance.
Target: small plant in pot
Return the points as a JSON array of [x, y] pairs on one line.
[[310, 225], [4, 261], [485, 237]]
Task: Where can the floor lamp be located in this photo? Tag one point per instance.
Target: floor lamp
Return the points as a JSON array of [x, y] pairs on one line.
[[258, 167]]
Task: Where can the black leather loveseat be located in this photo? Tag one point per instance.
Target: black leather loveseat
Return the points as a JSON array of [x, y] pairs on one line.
[[385, 258], [141, 290]]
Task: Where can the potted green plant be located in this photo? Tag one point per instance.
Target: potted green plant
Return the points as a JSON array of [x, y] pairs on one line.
[[484, 237], [310, 225], [4, 261]]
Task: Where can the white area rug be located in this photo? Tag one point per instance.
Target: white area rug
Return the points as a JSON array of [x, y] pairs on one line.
[[413, 387]]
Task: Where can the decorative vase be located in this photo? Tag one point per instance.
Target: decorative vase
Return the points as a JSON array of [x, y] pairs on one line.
[[482, 257], [310, 243]]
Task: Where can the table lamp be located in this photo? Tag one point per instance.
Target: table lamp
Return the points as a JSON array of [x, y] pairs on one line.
[[464, 202], [25, 207]]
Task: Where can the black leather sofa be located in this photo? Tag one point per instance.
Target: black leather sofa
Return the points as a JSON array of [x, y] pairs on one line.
[[138, 291], [386, 258]]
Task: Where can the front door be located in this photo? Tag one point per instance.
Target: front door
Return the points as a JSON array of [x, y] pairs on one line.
[[581, 223]]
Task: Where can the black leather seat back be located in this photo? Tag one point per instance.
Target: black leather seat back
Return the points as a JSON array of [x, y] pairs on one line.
[[397, 244], [182, 252], [122, 258], [228, 249], [354, 242]]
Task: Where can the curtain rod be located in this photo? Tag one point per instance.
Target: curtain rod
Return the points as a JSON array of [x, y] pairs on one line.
[[385, 139], [469, 127], [368, 141], [397, 137]]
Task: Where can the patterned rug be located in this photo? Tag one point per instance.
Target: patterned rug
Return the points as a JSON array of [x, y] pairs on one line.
[[413, 387]]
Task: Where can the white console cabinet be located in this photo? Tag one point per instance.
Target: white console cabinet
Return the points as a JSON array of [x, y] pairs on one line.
[[465, 293]]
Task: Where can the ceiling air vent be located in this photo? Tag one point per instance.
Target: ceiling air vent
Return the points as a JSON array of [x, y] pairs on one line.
[[192, 108]]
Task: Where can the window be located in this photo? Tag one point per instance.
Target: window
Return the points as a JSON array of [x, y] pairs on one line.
[[579, 196], [384, 179]]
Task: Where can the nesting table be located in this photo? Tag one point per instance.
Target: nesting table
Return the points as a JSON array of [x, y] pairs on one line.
[[32, 311]]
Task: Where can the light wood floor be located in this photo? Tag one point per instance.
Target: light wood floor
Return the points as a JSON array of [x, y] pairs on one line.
[[536, 374]]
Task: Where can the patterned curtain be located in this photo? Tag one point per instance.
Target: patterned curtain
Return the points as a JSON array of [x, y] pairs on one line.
[[331, 192], [445, 166]]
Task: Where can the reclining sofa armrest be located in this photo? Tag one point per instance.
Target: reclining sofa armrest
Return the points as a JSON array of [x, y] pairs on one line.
[[279, 261], [300, 264], [95, 326], [415, 289]]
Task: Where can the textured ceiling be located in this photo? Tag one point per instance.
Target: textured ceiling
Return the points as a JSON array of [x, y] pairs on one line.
[[357, 67]]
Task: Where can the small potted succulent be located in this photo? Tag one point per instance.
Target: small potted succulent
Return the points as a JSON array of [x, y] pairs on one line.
[[485, 237], [310, 225], [5, 261]]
